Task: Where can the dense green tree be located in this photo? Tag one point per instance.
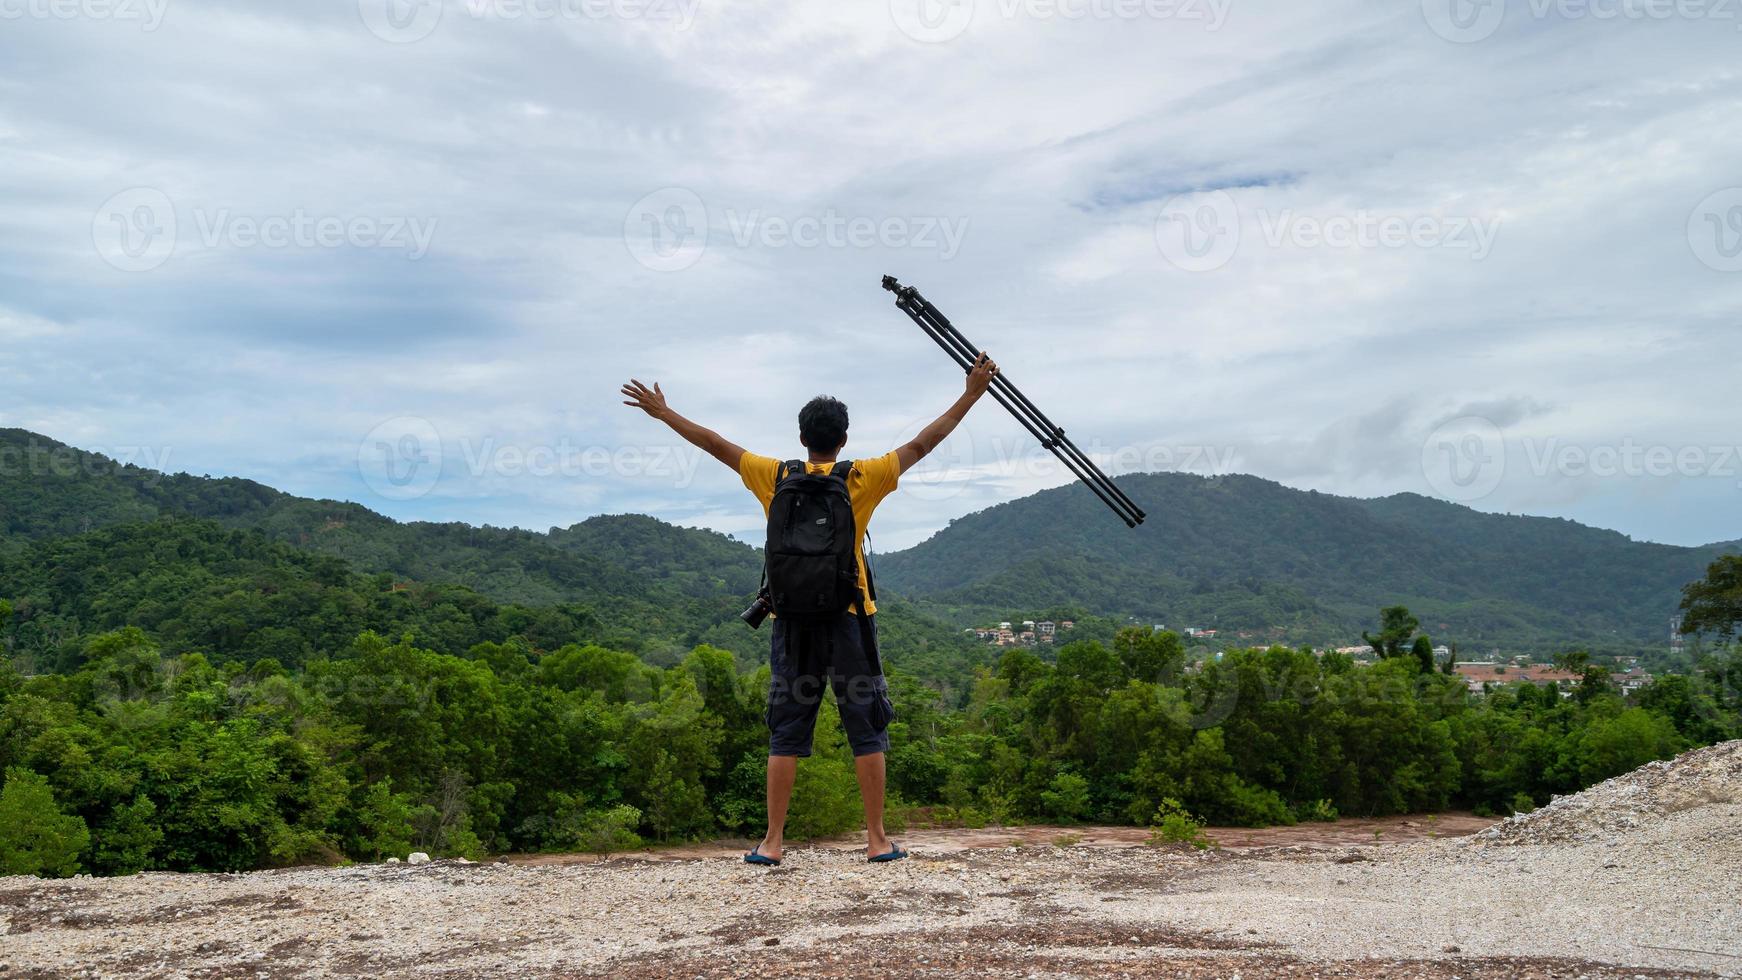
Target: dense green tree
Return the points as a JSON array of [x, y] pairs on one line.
[[1423, 651], [1714, 604], [1396, 626], [36, 838]]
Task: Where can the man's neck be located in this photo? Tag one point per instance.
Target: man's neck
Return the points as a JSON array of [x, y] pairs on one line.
[[822, 459]]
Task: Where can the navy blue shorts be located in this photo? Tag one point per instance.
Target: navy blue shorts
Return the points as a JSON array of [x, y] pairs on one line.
[[805, 660]]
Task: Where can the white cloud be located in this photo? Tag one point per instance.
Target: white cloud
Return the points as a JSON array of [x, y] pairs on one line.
[[1052, 143]]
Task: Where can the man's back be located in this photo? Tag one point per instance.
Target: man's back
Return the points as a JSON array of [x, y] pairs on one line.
[[870, 481]]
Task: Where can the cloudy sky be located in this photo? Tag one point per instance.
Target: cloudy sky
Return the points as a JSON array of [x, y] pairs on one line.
[[403, 253]]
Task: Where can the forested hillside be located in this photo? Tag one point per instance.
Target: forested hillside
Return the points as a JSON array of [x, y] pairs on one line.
[[209, 674], [1237, 553], [233, 568], [1241, 553]]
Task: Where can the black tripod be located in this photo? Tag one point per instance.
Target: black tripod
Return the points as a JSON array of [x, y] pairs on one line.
[[938, 327]]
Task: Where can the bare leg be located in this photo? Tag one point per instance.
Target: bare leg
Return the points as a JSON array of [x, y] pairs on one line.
[[871, 776], [782, 770]]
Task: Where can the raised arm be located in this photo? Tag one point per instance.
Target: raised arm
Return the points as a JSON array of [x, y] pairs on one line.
[[979, 379], [652, 401]]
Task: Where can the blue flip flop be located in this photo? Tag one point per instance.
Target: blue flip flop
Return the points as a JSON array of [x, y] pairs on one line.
[[895, 854], [755, 858]]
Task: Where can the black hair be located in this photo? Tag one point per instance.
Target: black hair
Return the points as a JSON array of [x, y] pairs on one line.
[[822, 424]]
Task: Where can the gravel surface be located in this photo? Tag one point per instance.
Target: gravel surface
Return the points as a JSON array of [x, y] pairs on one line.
[[1659, 898], [1613, 809]]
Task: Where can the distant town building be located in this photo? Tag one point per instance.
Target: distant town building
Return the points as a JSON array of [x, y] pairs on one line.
[[1479, 672]]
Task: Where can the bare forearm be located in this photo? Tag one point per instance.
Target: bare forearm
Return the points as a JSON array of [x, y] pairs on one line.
[[703, 438], [933, 435]]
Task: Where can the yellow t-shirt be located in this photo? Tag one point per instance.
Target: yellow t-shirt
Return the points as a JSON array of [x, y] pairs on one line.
[[869, 482]]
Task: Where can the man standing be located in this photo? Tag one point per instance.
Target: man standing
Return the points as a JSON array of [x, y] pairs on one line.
[[842, 653]]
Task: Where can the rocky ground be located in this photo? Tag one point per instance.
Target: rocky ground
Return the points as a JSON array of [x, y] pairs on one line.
[[1569, 893]]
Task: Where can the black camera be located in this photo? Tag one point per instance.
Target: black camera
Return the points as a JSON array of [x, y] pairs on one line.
[[758, 611]]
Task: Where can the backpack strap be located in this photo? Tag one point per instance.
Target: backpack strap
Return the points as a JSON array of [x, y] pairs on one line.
[[843, 469], [787, 469], [870, 580]]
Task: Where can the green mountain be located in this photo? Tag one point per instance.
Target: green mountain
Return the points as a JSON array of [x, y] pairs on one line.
[[69, 520], [1242, 554], [1256, 560]]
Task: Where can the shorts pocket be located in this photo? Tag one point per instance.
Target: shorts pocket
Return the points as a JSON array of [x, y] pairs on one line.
[[882, 709]]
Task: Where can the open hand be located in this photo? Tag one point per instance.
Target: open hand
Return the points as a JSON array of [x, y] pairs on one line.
[[649, 400], [981, 375]]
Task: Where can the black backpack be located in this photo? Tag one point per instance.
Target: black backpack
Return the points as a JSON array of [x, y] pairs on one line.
[[811, 558]]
